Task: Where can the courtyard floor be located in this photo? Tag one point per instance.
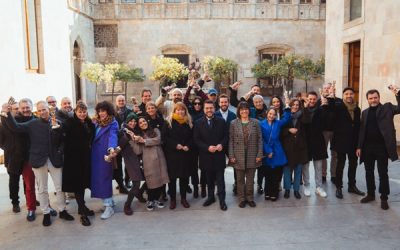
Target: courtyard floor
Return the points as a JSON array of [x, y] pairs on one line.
[[309, 223]]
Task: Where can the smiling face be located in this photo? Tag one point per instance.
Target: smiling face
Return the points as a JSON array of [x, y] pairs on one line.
[[43, 110], [312, 100], [66, 105], [131, 124], [151, 110], [258, 103], [180, 111], [81, 114], [271, 115], [103, 114], [373, 99], [295, 107], [146, 97], [348, 96], [197, 105], [120, 101], [143, 125], [244, 113], [276, 103], [256, 90], [177, 96], [209, 110], [14, 109], [25, 109], [223, 103]]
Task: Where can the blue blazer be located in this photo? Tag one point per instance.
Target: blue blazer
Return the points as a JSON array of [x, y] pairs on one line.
[[271, 141], [231, 117]]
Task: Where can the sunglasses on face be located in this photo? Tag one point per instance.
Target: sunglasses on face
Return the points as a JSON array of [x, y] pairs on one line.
[[197, 103]]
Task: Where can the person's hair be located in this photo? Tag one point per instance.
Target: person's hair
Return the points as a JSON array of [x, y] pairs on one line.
[[208, 102], [312, 93], [26, 100], [326, 84], [50, 96], [242, 105], [149, 132], [224, 96], [151, 104], [145, 90], [371, 92], [267, 111], [291, 103], [298, 95], [176, 106], [197, 98], [281, 106], [255, 85], [42, 102], [348, 88], [81, 105], [65, 98], [106, 106], [258, 97]]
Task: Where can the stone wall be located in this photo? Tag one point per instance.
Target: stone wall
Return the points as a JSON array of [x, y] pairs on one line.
[[378, 29]]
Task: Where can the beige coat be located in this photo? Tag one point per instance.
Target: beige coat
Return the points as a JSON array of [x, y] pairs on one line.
[[237, 147], [154, 163]]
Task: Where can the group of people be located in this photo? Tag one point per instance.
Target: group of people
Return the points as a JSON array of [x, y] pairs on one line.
[[193, 139]]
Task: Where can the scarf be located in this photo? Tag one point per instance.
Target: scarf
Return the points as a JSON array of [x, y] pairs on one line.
[[105, 122], [312, 111], [295, 117], [351, 107], [179, 119]]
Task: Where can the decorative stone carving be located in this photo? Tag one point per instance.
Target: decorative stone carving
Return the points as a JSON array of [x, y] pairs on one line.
[[106, 36]]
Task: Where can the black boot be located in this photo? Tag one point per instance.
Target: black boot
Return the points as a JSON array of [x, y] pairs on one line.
[[339, 193], [353, 189]]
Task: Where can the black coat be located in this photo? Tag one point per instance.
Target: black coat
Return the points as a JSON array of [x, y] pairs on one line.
[[78, 139], [15, 146], [315, 139], [205, 136], [120, 116], [179, 162], [384, 115], [44, 141], [295, 146], [158, 122], [345, 129], [131, 160]]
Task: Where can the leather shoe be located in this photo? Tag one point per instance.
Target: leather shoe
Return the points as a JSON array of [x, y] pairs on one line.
[[287, 194], [252, 203], [297, 194], [184, 203], [223, 206], [367, 198], [127, 209], [242, 204], [172, 204], [46, 220], [16, 208], [355, 190], [65, 215], [384, 205], [85, 221], [208, 202], [189, 189], [339, 193], [260, 190]]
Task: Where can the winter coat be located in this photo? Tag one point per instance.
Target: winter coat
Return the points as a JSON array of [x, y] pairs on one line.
[[271, 141], [78, 138], [315, 139], [102, 171]]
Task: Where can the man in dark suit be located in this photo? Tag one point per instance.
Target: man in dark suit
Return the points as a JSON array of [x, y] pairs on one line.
[[346, 128], [377, 142], [228, 116], [122, 111], [211, 137]]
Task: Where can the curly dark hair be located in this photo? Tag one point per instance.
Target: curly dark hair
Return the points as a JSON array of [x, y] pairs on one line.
[[242, 105], [106, 106], [280, 106]]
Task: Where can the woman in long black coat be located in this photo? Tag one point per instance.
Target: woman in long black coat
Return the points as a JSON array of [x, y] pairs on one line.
[[131, 160], [178, 137], [79, 133]]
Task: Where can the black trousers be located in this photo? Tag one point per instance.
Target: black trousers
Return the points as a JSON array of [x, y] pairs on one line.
[[118, 173], [351, 172], [216, 176], [379, 154], [196, 180], [154, 194], [273, 177], [183, 183], [134, 192], [13, 185], [260, 175], [80, 199]]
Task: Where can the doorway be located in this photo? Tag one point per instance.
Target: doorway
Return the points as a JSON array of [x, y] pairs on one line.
[[354, 67], [77, 71]]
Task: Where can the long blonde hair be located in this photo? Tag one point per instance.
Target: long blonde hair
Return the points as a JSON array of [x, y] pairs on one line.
[[188, 118]]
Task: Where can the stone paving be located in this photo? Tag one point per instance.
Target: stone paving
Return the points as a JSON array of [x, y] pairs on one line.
[[309, 223]]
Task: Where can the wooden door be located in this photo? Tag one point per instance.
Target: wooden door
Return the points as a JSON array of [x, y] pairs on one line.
[[354, 67]]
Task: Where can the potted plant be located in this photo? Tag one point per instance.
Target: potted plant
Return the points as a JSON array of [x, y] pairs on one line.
[[220, 69], [167, 70]]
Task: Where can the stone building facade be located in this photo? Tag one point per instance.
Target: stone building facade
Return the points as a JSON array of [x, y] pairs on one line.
[[362, 46]]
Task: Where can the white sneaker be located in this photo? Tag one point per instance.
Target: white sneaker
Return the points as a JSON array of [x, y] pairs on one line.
[[320, 191], [150, 206], [159, 204], [307, 191], [107, 213]]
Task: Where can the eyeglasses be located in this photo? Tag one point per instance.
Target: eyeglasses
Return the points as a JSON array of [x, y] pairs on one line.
[[51, 102], [197, 103]]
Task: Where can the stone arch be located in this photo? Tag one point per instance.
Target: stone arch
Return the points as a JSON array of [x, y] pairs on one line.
[[275, 48], [77, 60], [176, 49]]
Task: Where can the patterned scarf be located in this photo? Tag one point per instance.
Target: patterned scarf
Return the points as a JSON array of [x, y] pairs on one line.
[[351, 107], [105, 122]]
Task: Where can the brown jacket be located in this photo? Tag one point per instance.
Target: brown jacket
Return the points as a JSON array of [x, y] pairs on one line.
[[237, 147], [154, 163]]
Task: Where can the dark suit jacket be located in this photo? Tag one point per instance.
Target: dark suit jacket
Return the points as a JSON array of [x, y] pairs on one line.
[[345, 129], [45, 143], [205, 136], [231, 116], [384, 115]]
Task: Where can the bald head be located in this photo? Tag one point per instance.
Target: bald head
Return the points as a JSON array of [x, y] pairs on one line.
[[120, 101], [66, 104]]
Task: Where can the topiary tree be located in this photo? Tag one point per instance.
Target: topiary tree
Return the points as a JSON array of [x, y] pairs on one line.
[[93, 72], [167, 70], [285, 69], [220, 69]]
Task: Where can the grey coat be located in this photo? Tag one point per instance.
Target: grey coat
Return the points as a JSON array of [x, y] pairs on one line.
[[154, 163], [237, 147], [384, 115]]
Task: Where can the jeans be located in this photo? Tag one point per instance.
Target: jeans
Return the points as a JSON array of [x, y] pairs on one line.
[[108, 202], [287, 177], [317, 174]]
